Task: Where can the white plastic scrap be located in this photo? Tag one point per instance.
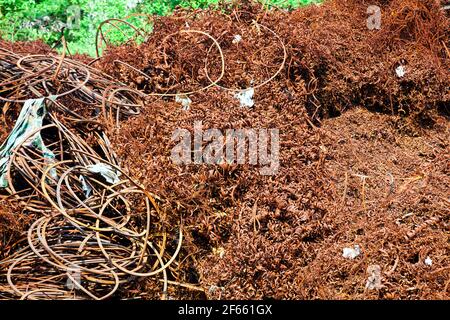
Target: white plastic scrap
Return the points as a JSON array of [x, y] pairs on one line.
[[351, 253], [245, 97], [76, 276], [212, 289], [30, 120], [184, 100], [131, 4], [111, 175], [86, 187], [374, 279], [237, 38], [428, 261], [219, 251], [400, 71]]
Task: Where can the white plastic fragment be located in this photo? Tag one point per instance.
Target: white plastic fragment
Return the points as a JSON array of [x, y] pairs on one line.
[[76, 276], [184, 100], [237, 38], [131, 4], [219, 251], [351, 253], [245, 97], [428, 261], [400, 71], [374, 279], [212, 289], [85, 186], [110, 175], [29, 121]]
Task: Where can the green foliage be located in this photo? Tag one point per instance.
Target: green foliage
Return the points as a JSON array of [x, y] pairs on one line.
[[48, 19]]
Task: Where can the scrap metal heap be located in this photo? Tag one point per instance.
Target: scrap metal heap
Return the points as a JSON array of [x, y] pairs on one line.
[[358, 209]]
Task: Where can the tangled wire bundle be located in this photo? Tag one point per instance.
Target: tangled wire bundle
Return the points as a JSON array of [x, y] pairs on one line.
[[97, 229]]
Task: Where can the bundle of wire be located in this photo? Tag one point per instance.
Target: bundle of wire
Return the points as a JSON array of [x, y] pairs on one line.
[[96, 230]]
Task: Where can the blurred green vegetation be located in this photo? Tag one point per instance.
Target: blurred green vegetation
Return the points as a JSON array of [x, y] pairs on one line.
[[46, 19]]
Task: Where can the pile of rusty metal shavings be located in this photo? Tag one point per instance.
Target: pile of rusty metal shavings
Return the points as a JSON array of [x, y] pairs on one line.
[[247, 236]]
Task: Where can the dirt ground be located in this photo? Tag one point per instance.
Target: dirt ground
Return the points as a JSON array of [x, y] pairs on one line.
[[364, 152]]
